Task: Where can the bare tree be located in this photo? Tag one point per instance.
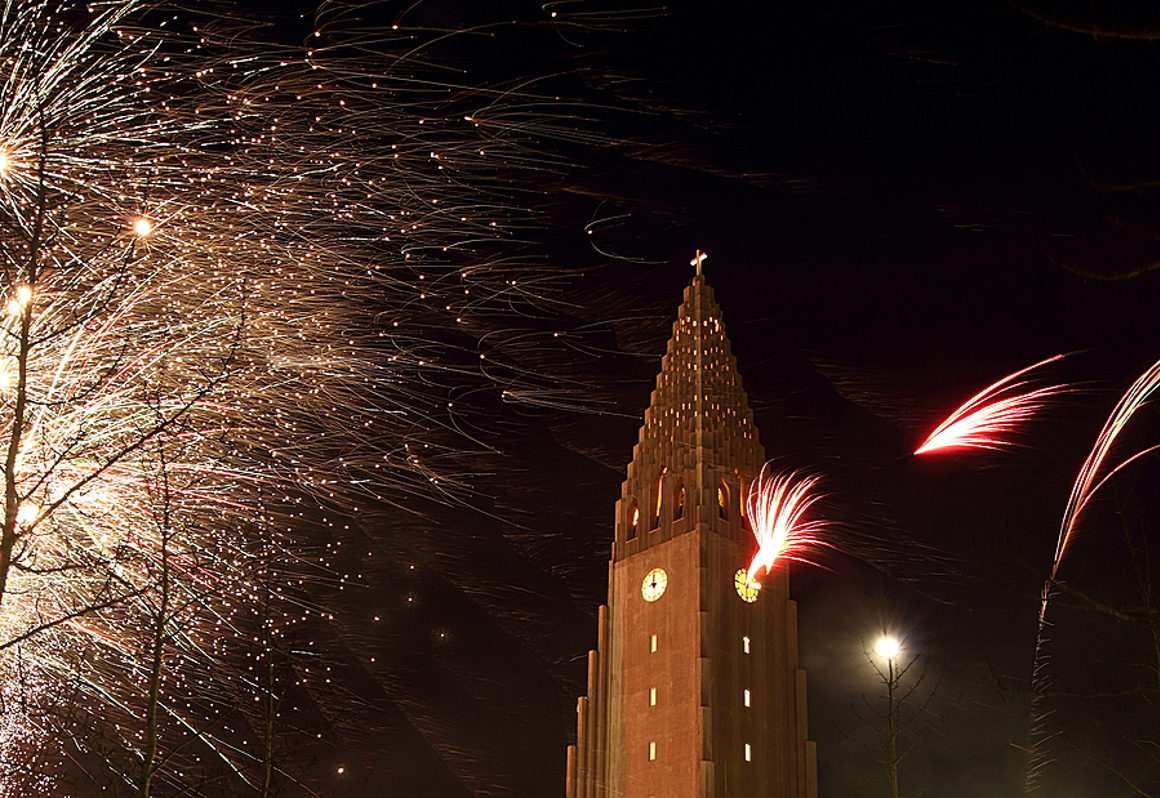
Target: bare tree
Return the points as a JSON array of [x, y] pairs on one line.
[[899, 718]]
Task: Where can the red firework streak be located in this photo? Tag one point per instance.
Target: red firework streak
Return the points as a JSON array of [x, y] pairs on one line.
[[984, 420]]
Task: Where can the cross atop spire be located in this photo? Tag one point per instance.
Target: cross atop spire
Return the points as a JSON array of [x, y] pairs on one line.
[[697, 260]]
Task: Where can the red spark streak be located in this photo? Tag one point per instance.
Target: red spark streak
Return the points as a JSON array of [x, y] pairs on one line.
[[983, 421]]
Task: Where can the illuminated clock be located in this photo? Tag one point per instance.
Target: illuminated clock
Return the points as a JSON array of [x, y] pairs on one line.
[[654, 584], [746, 589]]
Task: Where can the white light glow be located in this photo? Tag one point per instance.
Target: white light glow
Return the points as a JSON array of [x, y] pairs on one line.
[[886, 647], [142, 227]]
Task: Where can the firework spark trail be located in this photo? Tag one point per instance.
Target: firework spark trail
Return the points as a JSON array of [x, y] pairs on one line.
[[90, 531], [234, 270], [983, 421], [1087, 483], [111, 343], [1142, 390], [777, 505]]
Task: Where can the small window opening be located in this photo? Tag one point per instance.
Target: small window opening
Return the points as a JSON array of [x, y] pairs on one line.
[[747, 697], [679, 501], [652, 697], [653, 645], [744, 643], [723, 499], [652, 750], [748, 752], [634, 525]]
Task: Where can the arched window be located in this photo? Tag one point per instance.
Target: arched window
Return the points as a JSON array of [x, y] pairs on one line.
[[679, 501], [633, 521], [722, 499]]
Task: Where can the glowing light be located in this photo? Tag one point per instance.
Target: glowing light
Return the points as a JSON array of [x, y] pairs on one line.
[[27, 514], [777, 506], [887, 647], [20, 301], [5, 162], [142, 227], [985, 419]]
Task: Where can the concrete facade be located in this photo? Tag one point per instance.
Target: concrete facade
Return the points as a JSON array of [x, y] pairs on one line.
[[695, 693]]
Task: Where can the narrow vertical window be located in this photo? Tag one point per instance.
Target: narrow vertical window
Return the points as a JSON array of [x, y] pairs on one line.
[[656, 518], [652, 750], [747, 698], [743, 502], [679, 501], [744, 643], [748, 752], [723, 499], [652, 697], [634, 521], [653, 644]]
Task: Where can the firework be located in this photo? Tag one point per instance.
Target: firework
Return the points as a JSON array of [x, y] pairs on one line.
[[1086, 484], [240, 281], [984, 420], [1092, 476], [777, 505]]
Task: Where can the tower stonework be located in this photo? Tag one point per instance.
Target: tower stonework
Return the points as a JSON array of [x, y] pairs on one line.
[[694, 689]]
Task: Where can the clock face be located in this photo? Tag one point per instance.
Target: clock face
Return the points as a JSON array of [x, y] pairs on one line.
[[654, 584], [746, 589]]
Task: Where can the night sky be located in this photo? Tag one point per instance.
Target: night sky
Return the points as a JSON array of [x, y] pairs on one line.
[[901, 203]]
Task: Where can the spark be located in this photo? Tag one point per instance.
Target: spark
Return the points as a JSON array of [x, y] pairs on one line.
[[170, 413], [985, 420], [777, 506]]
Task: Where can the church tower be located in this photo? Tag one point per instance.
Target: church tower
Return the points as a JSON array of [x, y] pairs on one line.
[[694, 690]]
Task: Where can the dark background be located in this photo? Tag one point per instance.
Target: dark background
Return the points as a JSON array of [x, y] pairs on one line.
[[902, 203]]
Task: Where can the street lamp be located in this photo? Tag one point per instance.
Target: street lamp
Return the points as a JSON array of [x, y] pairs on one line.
[[887, 647]]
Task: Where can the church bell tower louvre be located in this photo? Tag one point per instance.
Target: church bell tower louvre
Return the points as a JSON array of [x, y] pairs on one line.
[[694, 689]]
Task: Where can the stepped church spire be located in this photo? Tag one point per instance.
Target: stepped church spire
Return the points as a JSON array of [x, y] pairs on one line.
[[698, 434], [694, 689]]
